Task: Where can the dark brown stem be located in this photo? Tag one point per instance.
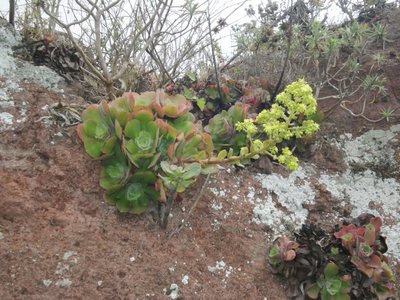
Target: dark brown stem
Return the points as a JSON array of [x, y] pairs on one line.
[[278, 85], [110, 90], [11, 18], [213, 56]]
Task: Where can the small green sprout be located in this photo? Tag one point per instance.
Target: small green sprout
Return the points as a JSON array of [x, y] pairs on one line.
[[387, 113]]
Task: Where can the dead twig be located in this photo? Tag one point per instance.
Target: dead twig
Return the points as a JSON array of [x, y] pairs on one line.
[[179, 228]]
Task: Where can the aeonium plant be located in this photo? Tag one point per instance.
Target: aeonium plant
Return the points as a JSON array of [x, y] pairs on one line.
[[152, 148], [346, 264], [366, 247]]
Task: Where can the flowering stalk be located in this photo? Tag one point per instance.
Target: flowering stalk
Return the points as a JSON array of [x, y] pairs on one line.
[[286, 119]]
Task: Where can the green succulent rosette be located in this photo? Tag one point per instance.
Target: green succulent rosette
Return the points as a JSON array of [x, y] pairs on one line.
[[194, 146], [120, 108], [184, 123], [97, 131], [136, 194], [171, 106], [330, 285], [222, 128], [179, 178], [115, 171], [141, 139]]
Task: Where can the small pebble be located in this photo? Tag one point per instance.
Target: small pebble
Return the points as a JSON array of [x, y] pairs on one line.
[[47, 282]]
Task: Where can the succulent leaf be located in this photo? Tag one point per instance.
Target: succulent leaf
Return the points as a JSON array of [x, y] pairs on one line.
[[143, 100], [120, 108], [184, 123]]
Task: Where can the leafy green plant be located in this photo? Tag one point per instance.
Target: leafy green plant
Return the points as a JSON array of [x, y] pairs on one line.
[[134, 136], [379, 32], [211, 100], [152, 148], [375, 84], [330, 285]]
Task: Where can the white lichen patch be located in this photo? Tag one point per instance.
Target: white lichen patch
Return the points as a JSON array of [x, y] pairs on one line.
[[222, 269], [185, 279], [216, 206], [173, 291], [61, 269], [218, 193], [6, 120], [371, 147], [291, 193], [69, 254], [64, 283]]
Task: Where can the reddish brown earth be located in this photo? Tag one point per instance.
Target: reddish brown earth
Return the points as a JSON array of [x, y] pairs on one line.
[[57, 230], [51, 207]]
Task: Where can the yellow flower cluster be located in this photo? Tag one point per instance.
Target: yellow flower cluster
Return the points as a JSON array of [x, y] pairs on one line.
[[287, 118], [247, 126], [298, 99], [288, 159]]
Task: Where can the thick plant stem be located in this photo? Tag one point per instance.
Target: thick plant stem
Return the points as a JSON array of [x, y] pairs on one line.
[[11, 17], [289, 44], [165, 208]]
